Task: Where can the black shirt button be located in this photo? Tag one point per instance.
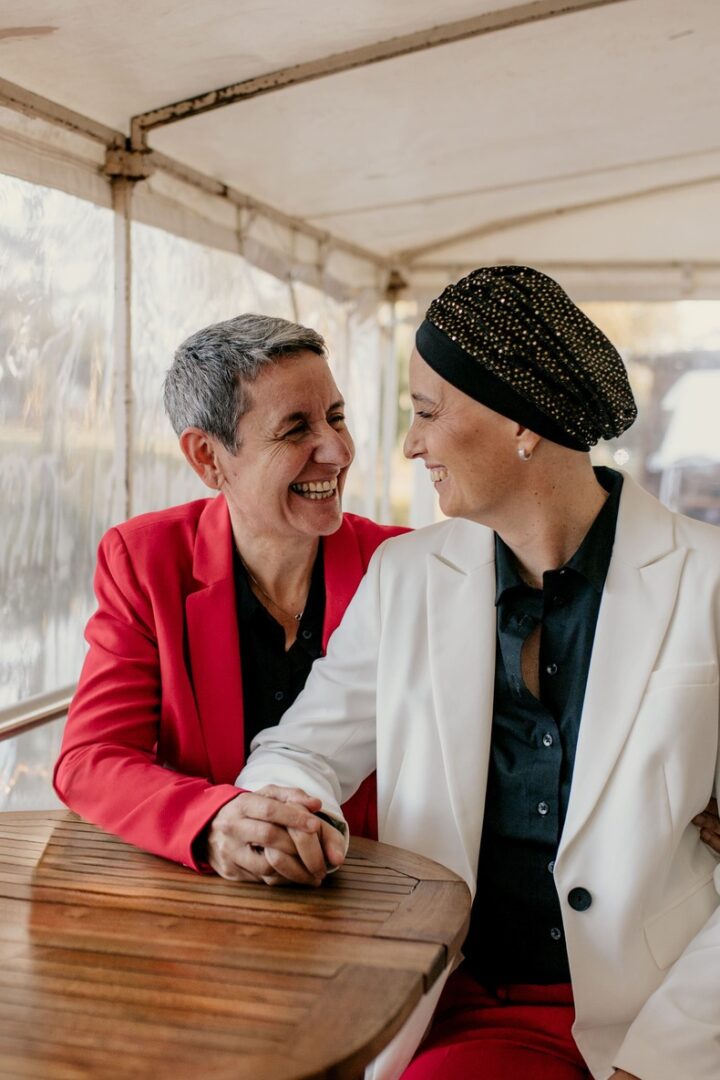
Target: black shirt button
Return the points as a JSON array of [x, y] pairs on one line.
[[306, 634], [542, 808], [579, 899], [279, 695], [547, 739], [551, 669], [551, 866], [556, 933]]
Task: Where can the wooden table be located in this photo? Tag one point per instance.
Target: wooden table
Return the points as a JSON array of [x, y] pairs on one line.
[[114, 963]]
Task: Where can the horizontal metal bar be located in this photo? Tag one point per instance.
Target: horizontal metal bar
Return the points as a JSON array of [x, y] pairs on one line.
[[25, 101], [602, 265], [446, 34], [41, 709]]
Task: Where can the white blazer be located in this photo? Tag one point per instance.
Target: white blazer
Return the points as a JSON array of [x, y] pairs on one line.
[[408, 680]]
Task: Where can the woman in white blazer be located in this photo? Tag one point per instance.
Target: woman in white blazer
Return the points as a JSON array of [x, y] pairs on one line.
[[505, 412]]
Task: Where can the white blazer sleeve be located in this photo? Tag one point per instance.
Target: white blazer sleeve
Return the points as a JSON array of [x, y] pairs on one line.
[[325, 742]]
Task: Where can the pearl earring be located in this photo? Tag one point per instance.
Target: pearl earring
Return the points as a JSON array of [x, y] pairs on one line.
[[524, 454]]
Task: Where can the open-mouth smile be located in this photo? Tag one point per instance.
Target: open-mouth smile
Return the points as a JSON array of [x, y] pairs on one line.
[[316, 489]]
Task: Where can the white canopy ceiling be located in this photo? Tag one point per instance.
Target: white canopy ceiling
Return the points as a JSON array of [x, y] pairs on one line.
[[583, 141]]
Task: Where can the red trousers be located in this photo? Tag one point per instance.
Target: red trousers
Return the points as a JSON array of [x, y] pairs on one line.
[[516, 1033]]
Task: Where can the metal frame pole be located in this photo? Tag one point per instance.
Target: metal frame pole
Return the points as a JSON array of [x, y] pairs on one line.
[[122, 188]]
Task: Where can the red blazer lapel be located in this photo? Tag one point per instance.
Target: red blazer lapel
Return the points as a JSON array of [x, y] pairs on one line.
[[344, 569], [214, 644]]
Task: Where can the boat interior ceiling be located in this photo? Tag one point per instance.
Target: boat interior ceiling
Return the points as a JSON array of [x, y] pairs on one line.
[[401, 144]]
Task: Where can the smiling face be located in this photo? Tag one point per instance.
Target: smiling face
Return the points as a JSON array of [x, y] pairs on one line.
[[287, 476], [470, 450]]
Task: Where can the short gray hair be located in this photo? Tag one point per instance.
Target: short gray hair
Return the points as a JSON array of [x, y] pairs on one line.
[[205, 386]]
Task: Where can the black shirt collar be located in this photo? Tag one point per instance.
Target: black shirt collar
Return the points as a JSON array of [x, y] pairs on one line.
[[591, 559], [250, 609]]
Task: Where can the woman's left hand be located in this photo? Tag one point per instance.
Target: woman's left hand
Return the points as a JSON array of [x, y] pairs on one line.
[[709, 825]]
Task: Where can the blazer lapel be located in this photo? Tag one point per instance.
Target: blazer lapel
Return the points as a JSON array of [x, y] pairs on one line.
[[461, 635], [343, 570], [635, 611], [214, 645]]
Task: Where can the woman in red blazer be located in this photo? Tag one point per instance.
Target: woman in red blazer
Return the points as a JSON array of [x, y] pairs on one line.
[[155, 733]]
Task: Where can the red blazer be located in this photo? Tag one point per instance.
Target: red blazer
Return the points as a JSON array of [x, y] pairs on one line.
[[154, 736]]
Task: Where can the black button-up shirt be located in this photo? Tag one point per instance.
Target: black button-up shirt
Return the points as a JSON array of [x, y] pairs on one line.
[[516, 930], [272, 677]]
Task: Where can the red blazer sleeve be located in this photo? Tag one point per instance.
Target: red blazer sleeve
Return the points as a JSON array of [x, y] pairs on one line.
[[108, 769]]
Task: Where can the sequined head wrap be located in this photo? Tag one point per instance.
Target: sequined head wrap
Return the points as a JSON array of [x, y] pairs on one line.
[[512, 339]]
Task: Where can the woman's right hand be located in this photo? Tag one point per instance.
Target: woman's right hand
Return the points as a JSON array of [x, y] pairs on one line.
[[249, 838]]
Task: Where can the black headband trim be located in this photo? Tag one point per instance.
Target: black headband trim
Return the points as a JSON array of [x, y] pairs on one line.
[[452, 363]]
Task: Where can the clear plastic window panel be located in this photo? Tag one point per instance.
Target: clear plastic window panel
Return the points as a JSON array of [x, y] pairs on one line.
[[56, 429], [26, 764], [672, 351]]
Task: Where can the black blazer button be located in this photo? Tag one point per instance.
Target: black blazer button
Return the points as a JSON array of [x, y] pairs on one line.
[[579, 899]]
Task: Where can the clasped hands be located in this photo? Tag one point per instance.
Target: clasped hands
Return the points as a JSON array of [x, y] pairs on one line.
[[273, 836]]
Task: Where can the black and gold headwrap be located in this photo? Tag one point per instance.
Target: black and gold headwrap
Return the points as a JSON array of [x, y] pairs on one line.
[[512, 339]]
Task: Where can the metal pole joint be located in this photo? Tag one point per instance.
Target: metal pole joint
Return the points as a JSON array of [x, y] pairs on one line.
[[130, 165], [396, 284]]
